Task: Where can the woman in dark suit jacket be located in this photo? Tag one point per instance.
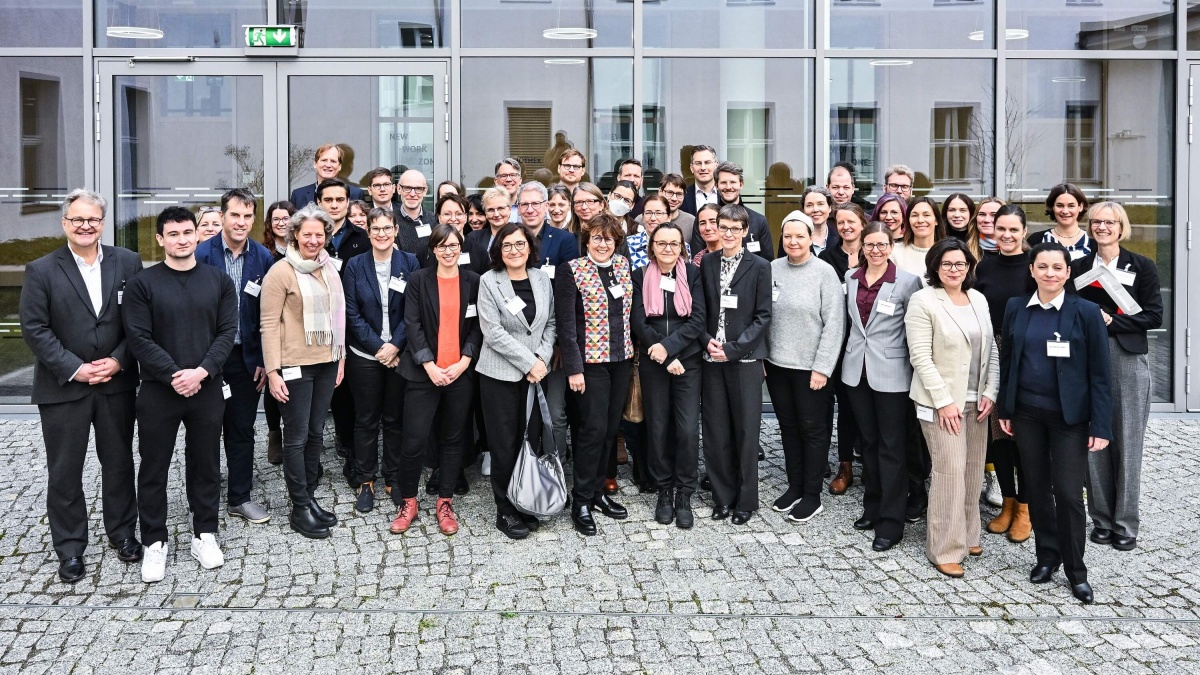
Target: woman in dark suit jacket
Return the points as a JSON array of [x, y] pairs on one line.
[[1114, 473], [443, 338], [374, 290], [737, 305], [1055, 401]]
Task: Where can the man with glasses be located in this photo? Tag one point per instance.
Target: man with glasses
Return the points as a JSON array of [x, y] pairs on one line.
[[571, 169], [898, 180], [674, 190], [757, 236], [631, 170], [246, 262], [382, 188], [414, 224], [508, 177], [84, 378], [703, 166], [328, 164]]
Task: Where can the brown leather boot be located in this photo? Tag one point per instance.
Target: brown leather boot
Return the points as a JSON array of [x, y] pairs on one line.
[[622, 454], [275, 447], [1021, 527], [843, 480], [1001, 523]]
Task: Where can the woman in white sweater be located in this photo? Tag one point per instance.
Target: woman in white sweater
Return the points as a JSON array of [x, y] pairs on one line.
[[924, 228]]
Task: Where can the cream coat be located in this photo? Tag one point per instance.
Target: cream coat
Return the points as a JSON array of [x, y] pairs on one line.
[[940, 351]]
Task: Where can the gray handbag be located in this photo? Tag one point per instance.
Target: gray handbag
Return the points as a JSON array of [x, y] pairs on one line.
[[538, 486]]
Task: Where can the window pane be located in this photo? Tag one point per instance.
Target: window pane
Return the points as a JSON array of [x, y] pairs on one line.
[[712, 24], [169, 23], [42, 23], [1091, 24], [535, 110], [738, 107], [548, 24], [934, 118], [1193, 35], [932, 24], [382, 24], [44, 141], [1108, 127]]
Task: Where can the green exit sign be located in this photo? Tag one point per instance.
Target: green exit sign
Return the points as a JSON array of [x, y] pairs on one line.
[[271, 36]]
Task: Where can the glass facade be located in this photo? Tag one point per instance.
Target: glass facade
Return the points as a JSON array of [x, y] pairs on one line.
[[157, 102]]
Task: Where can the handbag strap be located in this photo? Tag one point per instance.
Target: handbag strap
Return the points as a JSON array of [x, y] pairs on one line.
[[549, 446]]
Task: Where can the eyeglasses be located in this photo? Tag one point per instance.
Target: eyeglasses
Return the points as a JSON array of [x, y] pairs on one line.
[[380, 186], [80, 222], [380, 230], [671, 193], [603, 241], [669, 245], [725, 229], [897, 187], [530, 205], [571, 167], [624, 199], [446, 248], [707, 162], [412, 189], [280, 220], [507, 176], [513, 246], [497, 210], [1106, 224], [877, 247], [452, 217], [656, 214], [958, 266], [587, 202]]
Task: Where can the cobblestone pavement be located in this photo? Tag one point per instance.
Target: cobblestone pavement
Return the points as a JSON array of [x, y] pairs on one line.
[[771, 597]]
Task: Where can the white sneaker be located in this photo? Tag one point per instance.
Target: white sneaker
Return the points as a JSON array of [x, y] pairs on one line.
[[991, 489], [207, 552], [485, 467], [154, 562]]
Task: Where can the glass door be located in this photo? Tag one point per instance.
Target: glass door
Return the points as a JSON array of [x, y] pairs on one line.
[[1191, 373]]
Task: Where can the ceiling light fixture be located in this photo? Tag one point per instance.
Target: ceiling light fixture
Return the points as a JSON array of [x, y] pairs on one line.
[[133, 33], [1069, 79], [891, 62], [569, 33], [564, 62], [1010, 34]]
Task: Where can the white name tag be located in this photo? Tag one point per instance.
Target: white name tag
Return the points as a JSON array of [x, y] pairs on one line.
[[728, 302], [292, 373], [617, 291], [464, 259], [471, 311], [1125, 277], [924, 414], [226, 391], [844, 291], [397, 284], [775, 295], [1076, 254], [337, 264], [120, 296], [753, 246], [1058, 350], [424, 231], [667, 284], [886, 308], [548, 270], [253, 289], [514, 306]]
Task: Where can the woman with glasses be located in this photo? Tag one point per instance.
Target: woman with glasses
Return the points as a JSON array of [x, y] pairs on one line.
[[588, 202], [621, 200], [892, 211], [476, 220], [674, 189], [279, 219], [558, 209], [953, 354], [1115, 472], [592, 310], [982, 237], [375, 286], [958, 213], [357, 214], [443, 338], [1065, 205], [707, 228], [878, 375], [451, 209], [209, 223], [924, 227]]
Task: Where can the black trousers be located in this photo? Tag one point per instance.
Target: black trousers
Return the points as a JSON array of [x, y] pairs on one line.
[[445, 412], [159, 413], [804, 431], [304, 428], [847, 426], [271, 410], [241, 410], [606, 385], [918, 463], [506, 431], [342, 406], [477, 440], [65, 428], [1004, 457], [883, 421], [672, 410], [1055, 457], [378, 405], [732, 393]]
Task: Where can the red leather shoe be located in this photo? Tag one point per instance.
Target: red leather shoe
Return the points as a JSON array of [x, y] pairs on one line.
[[405, 516], [447, 521]]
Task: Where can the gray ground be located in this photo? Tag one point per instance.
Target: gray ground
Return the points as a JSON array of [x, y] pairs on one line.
[[770, 597]]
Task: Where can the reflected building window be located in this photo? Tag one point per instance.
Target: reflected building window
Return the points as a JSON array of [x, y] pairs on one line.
[[956, 149], [148, 24], [381, 24], [42, 23], [42, 170], [912, 24], [547, 24], [729, 24], [1091, 24]]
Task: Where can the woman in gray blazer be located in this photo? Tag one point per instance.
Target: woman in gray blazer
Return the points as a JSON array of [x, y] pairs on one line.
[[878, 374], [516, 316]]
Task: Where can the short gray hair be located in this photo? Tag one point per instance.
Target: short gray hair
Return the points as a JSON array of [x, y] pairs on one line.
[[311, 212], [534, 186], [817, 189], [902, 169], [87, 196]]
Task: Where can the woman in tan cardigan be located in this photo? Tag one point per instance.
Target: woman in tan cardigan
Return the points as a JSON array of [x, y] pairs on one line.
[[304, 347]]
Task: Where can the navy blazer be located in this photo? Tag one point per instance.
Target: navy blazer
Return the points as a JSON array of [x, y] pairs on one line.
[[364, 303], [257, 261], [1130, 331], [746, 326], [303, 196], [354, 242], [1084, 379], [422, 312], [557, 246]]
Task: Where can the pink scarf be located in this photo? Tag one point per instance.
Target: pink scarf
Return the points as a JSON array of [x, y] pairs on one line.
[[652, 295]]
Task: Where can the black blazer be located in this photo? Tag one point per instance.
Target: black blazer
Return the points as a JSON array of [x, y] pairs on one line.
[[746, 326], [354, 242], [758, 231], [677, 334], [1084, 380], [1130, 331], [422, 312], [476, 243], [61, 327], [303, 196]]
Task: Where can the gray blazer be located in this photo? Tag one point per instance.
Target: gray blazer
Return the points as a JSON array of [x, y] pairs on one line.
[[882, 344], [511, 345]]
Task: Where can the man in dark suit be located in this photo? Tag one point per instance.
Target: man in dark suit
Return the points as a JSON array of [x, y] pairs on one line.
[[84, 377], [704, 191], [757, 237], [328, 164], [557, 245]]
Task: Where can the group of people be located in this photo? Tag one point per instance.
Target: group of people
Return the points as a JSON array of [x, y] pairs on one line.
[[948, 336]]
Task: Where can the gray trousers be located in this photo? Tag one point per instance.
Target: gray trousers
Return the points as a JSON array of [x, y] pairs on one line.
[[1115, 473]]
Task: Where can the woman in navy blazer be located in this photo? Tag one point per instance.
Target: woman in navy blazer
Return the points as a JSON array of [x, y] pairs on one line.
[[1056, 403], [374, 287]]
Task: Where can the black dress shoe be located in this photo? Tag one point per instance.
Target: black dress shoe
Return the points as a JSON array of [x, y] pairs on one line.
[[915, 509], [720, 512], [684, 518], [581, 515], [664, 513], [609, 508], [530, 522], [647, 487], [326, 518], [864, 523], [305, 522], [71, 569], [512, 526], [1041, 574], [882, 544], [1101, 536], [1124, 543], [128, 549], [1083, 593], [705, 483], [740, 517]]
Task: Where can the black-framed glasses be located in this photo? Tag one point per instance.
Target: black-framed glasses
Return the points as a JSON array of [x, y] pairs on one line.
[[383, 230], [571, 167], [587, 202], [669, 245], [876, 246], [507, 176], [897, 187], [413, 189], [605, 241], [509, 247], [446, 248], [656, 214], [957, 266], [725, 229], [530, 205], [78, 222], [280, 220], [674, 194], [381, 186]]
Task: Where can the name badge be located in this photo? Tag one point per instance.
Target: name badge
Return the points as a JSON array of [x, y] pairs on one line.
[[844, 291], [753, 246], [667, 284], [1058, 350], [515, 305], [471, 311], [397, 284], [885, 307], [728, 302], [775, 295], [253, 289], [1076, 254], [120, 296], [1125, 277], [548, 270], [924, 414], [292, 373], [464, 259], [424, 231], [617, 291], [337, 264], [226, 391]]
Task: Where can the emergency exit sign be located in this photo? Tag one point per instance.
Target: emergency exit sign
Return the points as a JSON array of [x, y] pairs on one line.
[[271, 36]]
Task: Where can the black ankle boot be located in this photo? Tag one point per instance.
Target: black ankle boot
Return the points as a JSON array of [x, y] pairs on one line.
[[326, 518], [683, 510], [664, 513], [305, 522]]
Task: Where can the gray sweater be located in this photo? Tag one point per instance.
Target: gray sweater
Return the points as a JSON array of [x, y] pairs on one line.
[[808, 316]]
